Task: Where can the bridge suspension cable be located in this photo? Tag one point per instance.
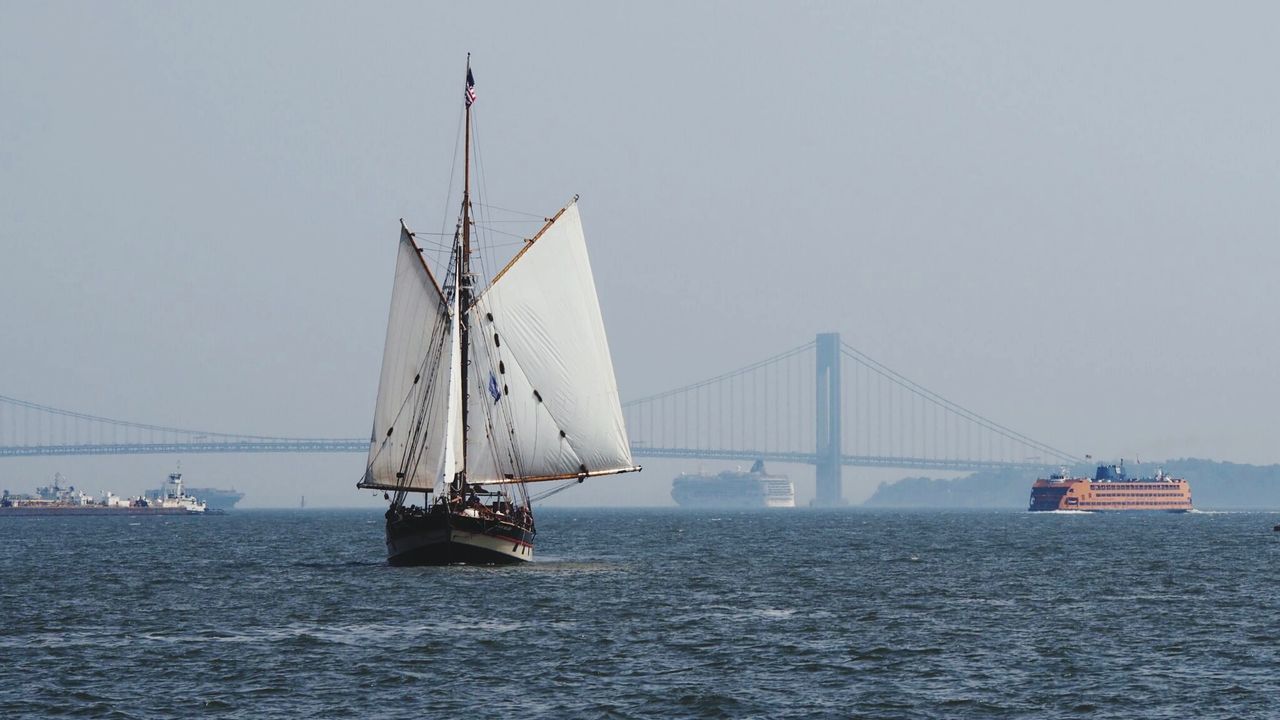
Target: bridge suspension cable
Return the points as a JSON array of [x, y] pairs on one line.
[[720, 378], [28, 429], [769, 409], [1049, 453], [758, 410], [123, 423]]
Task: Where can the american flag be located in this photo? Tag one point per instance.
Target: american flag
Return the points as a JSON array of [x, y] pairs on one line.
[[471, 88]]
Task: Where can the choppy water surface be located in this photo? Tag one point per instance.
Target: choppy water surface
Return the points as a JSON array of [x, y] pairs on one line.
[[647, 614]]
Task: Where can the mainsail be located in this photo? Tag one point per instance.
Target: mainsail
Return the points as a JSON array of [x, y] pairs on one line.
[[410, 420], [543, 402]]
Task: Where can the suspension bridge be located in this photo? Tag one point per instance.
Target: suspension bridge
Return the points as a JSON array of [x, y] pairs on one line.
[[823, 403]]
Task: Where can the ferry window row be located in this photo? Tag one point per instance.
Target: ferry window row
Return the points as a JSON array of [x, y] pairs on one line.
[[1103, 493], [1141, 502]]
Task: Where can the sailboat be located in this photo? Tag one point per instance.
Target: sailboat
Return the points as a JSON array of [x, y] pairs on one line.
[[488, 387]]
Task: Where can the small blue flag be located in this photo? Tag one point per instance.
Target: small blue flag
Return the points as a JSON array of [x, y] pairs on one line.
[[493, 388]]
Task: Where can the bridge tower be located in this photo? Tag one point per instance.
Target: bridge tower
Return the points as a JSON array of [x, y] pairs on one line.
[[830, 486]]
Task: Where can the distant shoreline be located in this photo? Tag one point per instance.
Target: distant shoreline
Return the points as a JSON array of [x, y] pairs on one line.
[[1222, 486]]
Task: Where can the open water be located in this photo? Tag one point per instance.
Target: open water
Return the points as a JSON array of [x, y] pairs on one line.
[[647, 614]]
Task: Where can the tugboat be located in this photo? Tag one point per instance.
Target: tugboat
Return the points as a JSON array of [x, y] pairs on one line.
[[1111, 490], [172, 497]]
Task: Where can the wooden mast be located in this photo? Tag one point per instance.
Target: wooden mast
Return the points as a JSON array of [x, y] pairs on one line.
[[464, 264]]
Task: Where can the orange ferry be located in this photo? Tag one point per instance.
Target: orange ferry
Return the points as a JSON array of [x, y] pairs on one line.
[[1111, 490]]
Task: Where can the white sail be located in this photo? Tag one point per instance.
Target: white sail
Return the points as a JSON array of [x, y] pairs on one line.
[[538, 339], [413, 389], [453, 457], [511, 434]]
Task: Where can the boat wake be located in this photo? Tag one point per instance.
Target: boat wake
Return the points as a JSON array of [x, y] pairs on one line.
[[1197, 511], [565, 565]]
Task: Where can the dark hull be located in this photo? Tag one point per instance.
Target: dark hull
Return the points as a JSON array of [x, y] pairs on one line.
[[444, 538], [1126, 511]]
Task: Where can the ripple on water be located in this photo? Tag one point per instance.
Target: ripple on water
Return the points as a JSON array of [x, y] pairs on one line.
[[789, 615]]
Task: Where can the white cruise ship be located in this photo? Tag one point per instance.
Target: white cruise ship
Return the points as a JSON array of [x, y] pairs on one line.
[[734, 489]]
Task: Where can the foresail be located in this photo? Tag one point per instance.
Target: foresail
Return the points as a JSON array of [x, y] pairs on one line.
[[406, 449], [543, 377]]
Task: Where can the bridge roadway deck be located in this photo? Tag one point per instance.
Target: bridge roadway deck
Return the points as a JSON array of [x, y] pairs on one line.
[[305, 445], [957, 464], [357, 445]]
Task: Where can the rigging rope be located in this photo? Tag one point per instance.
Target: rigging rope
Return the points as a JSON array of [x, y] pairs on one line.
[[731, 374], [453, 169], [884, 371], [522, 238], [502, 406], [539, 216], [412, 455], [553, 491], [425, 388]]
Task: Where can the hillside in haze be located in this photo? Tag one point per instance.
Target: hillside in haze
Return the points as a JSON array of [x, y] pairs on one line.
[[1213, 485]]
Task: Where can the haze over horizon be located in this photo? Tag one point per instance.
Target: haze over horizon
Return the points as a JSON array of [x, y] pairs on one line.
[[1062, 218]]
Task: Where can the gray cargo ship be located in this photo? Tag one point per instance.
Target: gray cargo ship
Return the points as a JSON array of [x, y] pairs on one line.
[[218, 499]]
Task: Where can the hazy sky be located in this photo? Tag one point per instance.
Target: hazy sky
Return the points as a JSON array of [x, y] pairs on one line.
[[1062, 217]]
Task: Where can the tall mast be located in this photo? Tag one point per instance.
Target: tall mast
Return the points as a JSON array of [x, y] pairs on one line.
[[464, 275]]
